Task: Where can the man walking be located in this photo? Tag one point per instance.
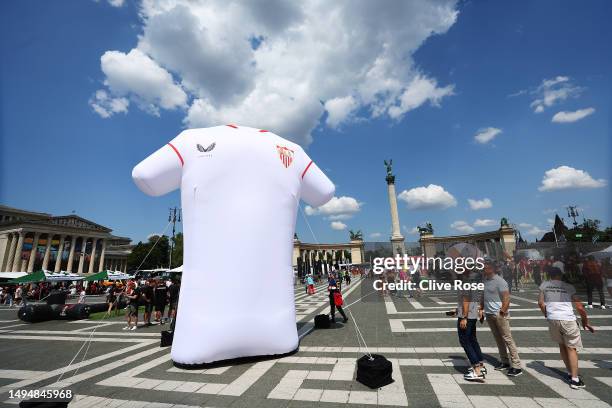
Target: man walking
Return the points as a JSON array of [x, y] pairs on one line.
[[555, 301], [496, 304], [594, 280]]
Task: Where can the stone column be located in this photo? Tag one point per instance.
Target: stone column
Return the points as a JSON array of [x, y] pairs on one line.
[[47, 251], [124, 269], [33, 252], [71, 254], [102, 253], [83, 253], [11, 253], [17, 256], [92, 259], [397, 240], [60, 252]]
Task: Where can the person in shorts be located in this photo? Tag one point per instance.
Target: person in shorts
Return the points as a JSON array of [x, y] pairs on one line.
[[160, 296], [173, 297], [147, 297], [555, 301], [133, 296]]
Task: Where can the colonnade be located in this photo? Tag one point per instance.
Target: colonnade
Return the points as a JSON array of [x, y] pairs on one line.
[[13, 260]]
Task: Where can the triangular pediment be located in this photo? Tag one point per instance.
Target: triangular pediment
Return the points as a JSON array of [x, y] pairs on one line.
[[74, 221]]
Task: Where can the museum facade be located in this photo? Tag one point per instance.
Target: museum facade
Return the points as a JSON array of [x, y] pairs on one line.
[[31, 241]]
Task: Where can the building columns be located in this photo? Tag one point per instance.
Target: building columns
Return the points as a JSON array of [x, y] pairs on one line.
[[17, 256], [11, 254], [71, 255], [47, 251], [102, 253], [92, 259], [60, 253], [33, 252], [83, 253]]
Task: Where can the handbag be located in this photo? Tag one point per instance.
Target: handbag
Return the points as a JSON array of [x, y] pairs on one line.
[[338, 301]]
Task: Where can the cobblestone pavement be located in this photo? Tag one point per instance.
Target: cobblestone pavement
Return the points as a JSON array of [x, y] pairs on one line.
[[129, 369]]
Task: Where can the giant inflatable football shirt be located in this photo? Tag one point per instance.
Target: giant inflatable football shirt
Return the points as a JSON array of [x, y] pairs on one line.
[[240, 189]]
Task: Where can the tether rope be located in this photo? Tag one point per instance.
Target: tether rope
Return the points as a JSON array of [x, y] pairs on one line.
[[89, 339]]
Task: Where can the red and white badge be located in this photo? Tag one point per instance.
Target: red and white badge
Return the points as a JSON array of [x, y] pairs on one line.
[[285, 154]]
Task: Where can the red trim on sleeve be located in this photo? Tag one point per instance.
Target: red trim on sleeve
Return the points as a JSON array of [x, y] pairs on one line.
[[263, 131], [232, 126], [306, 169], [177, 153]]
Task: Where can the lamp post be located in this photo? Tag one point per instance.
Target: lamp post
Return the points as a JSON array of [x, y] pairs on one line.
[[174, 216]]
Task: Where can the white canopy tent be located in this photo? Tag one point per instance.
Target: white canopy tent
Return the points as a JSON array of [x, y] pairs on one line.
[[12, 275], [604, 253]]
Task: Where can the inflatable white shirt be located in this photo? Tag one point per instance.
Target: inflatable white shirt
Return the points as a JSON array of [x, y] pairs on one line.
[[240, 189]]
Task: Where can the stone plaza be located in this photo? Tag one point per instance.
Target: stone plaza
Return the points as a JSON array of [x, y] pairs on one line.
[[129, 369]]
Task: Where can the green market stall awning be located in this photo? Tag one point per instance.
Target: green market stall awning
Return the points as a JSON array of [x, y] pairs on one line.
[[31, 277]]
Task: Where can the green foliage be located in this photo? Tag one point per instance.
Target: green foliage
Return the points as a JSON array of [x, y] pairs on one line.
[[156, 259]]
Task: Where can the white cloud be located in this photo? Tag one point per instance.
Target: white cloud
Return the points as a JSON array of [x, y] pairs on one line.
[[116, 3], [106, 106], [565, 177], [485, 135], [343, 58], [569, 117], [412, 231], [338, 225], [375, 235], [530, 229], [553, 91], [480, 204], [462, 226], [549, 211], [432, 196], [419, 91], [338, 208], [550, 221], [484, 222], [339, 109], [135, 74]]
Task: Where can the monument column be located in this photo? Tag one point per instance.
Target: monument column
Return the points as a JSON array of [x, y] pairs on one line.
[[102, 253], [71, 254], [60, 253], [17, 256], [47, 251], [92, 258], [397, 240]]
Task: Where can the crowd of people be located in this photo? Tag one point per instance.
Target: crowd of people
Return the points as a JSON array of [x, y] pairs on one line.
[[557, 300], [153, 295]]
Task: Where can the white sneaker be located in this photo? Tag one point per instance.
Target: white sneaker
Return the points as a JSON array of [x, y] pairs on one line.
[[133, 328], [126, 328], [589, 306], [603, 306]]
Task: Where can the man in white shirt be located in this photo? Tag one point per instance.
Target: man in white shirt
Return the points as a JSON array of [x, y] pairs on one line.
[[555, 301], [240, 191]]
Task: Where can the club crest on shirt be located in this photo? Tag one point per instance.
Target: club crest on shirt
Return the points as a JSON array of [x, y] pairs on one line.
[[206, 149], [285, 154]]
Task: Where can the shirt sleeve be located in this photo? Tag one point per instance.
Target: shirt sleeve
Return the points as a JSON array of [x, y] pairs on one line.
[[317, 188], [160, 173], [503, 285]]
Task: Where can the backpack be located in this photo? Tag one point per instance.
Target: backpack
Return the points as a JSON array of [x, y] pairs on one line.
[[338, 301]]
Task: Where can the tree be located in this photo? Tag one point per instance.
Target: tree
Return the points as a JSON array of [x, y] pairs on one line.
[[177, 252], [157, 249]]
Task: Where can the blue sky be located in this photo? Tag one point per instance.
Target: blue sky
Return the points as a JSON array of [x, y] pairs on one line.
[[482, 69]]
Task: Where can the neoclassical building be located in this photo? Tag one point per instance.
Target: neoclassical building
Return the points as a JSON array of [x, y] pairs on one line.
[[308, 257], [31, 241], [497, 244]]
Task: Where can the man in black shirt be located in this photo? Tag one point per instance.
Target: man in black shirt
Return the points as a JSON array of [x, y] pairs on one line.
[[161, 297], [147, 296], [173, 296]]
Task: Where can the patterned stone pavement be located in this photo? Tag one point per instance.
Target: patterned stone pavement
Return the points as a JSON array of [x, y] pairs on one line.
[[129, 369]]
